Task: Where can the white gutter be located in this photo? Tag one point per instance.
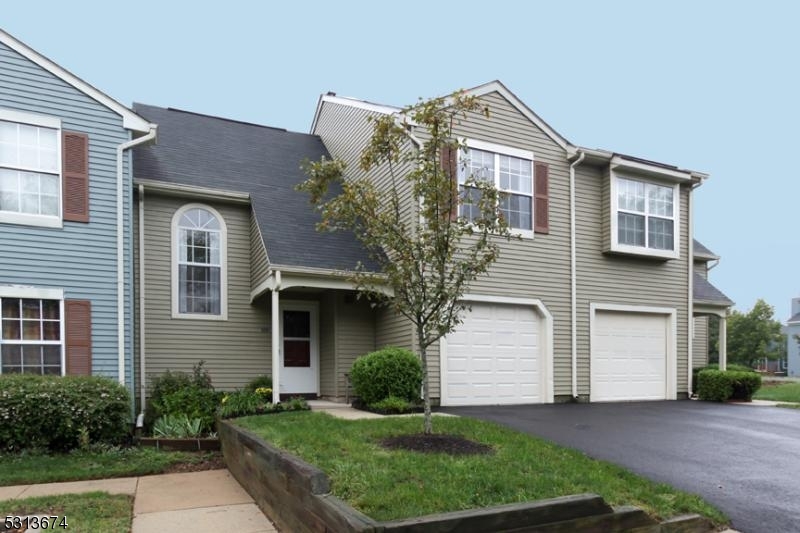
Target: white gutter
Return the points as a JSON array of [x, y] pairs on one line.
[[142, 387], [573, 273], [150, 136]]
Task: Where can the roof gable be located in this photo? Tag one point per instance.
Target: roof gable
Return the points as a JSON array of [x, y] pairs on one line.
[[130, 120]]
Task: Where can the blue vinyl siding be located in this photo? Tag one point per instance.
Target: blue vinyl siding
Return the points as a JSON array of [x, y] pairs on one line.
[[78, 258], [793, 349]]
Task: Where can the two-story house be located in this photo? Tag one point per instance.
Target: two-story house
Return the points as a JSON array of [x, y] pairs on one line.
[[595, 302], [65, 228]]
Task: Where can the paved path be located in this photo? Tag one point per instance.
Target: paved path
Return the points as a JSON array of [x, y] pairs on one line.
[[743, 459], [195, 501]]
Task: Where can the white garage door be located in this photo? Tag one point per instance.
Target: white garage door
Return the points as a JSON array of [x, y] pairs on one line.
[[629, 356], [494, 357]]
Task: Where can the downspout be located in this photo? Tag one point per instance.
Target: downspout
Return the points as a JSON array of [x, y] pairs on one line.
[[150, 136], [573, 273], [142, 387], [690, 324], [275, 336]]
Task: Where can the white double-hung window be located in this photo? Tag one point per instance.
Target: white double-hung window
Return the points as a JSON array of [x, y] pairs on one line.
[[30, 169], [511, 172], [645, 216], [31, 336]]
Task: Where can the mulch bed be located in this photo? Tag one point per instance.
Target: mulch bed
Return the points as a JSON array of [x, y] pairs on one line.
[[449, 444], [213, 462], [361, 406]]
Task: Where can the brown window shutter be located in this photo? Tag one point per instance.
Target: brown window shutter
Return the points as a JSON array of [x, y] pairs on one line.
[[75, 175], [541, 197], [78, 327], [449, 161]]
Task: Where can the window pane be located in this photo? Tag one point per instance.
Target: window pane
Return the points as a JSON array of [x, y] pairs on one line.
[[8, 132], [517, 210], [12, 355], [10, 307], [52, 330], [470, 197], [49, 205], [51, 309], [659, 200], [30, 309], [8, 154], [11, 329], [630, 195], [32, 356], [630, 229], [660, 234], [213, 238], [296, 353], [31, 330], [480, 165], [297, 324], [52, 355]]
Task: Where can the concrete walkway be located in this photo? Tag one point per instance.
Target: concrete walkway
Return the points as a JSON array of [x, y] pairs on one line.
[[213, 500]]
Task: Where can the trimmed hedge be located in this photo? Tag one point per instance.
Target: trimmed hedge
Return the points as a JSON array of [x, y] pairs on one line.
[[718, 385], [388, 372], [61, 413], [715, 366]]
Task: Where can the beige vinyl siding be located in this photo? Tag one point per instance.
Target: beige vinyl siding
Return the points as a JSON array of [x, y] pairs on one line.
[[258, 253], [236, 349], [618, 279], [700, 342], [327, 345], [346, 131], [392, 329], [355, 334]]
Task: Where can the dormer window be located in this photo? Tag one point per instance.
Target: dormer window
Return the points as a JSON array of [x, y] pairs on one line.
[[644, 217]]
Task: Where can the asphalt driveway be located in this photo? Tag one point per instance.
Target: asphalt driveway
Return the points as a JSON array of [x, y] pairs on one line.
[[743, 459]]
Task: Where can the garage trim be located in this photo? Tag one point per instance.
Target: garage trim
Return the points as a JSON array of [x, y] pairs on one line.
[[545, 335], [672, 338]]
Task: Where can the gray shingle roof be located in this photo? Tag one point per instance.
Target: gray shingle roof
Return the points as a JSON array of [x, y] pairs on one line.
[[705, 292], [212, 152], [701, 252], [795, 318]]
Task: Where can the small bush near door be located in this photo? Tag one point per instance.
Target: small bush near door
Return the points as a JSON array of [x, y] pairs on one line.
[[715, 366], [717, 385], [61, 413], [388, 372]]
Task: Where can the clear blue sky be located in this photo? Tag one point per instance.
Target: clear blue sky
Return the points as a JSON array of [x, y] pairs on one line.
[[710, 86]]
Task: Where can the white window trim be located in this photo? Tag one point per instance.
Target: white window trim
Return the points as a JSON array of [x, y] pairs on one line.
[[37, 293], [223, 259], [27, 219], [498, 150], [644, 250], [671, 390]]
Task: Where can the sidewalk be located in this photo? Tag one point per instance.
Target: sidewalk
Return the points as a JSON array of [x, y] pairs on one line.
[[212, 500]]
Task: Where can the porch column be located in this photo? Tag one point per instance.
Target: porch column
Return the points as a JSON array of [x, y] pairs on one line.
[[723, 342], [276, 347]]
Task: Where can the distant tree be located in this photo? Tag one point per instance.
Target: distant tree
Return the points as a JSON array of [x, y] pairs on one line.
[[755, 335]]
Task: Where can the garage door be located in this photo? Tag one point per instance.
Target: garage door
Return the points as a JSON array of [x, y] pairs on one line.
[[629, 356], [494, 357]]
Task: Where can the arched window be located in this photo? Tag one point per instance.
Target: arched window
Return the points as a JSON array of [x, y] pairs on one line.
[[199, 237]]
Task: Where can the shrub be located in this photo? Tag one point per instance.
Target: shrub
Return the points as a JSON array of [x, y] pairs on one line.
[[194, 402], [175, 393], [61, 413], [717, 385], [387, 372], [259, 382], [177, 426], [241, 403], [392, 405], [715, 366]]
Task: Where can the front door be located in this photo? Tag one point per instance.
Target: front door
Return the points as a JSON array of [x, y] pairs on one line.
[[299, 348]]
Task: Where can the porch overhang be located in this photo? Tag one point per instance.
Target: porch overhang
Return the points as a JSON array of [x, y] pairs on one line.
[[286, 277]]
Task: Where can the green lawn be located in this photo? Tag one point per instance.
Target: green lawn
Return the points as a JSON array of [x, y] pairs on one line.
[[389, 485], [85, 513], [783, 392], [24, 468]]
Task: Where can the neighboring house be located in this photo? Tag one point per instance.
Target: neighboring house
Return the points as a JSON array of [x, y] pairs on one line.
[[65, 227], [708, 301], [792, 347]]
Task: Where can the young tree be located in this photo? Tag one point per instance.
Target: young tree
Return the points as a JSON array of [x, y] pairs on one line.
[[428, 259], [755, 335]]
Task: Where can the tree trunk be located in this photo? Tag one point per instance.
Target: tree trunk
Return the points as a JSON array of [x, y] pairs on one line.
[[426, 390]]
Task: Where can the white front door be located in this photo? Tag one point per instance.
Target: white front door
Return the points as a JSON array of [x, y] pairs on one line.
[[299, 348]]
